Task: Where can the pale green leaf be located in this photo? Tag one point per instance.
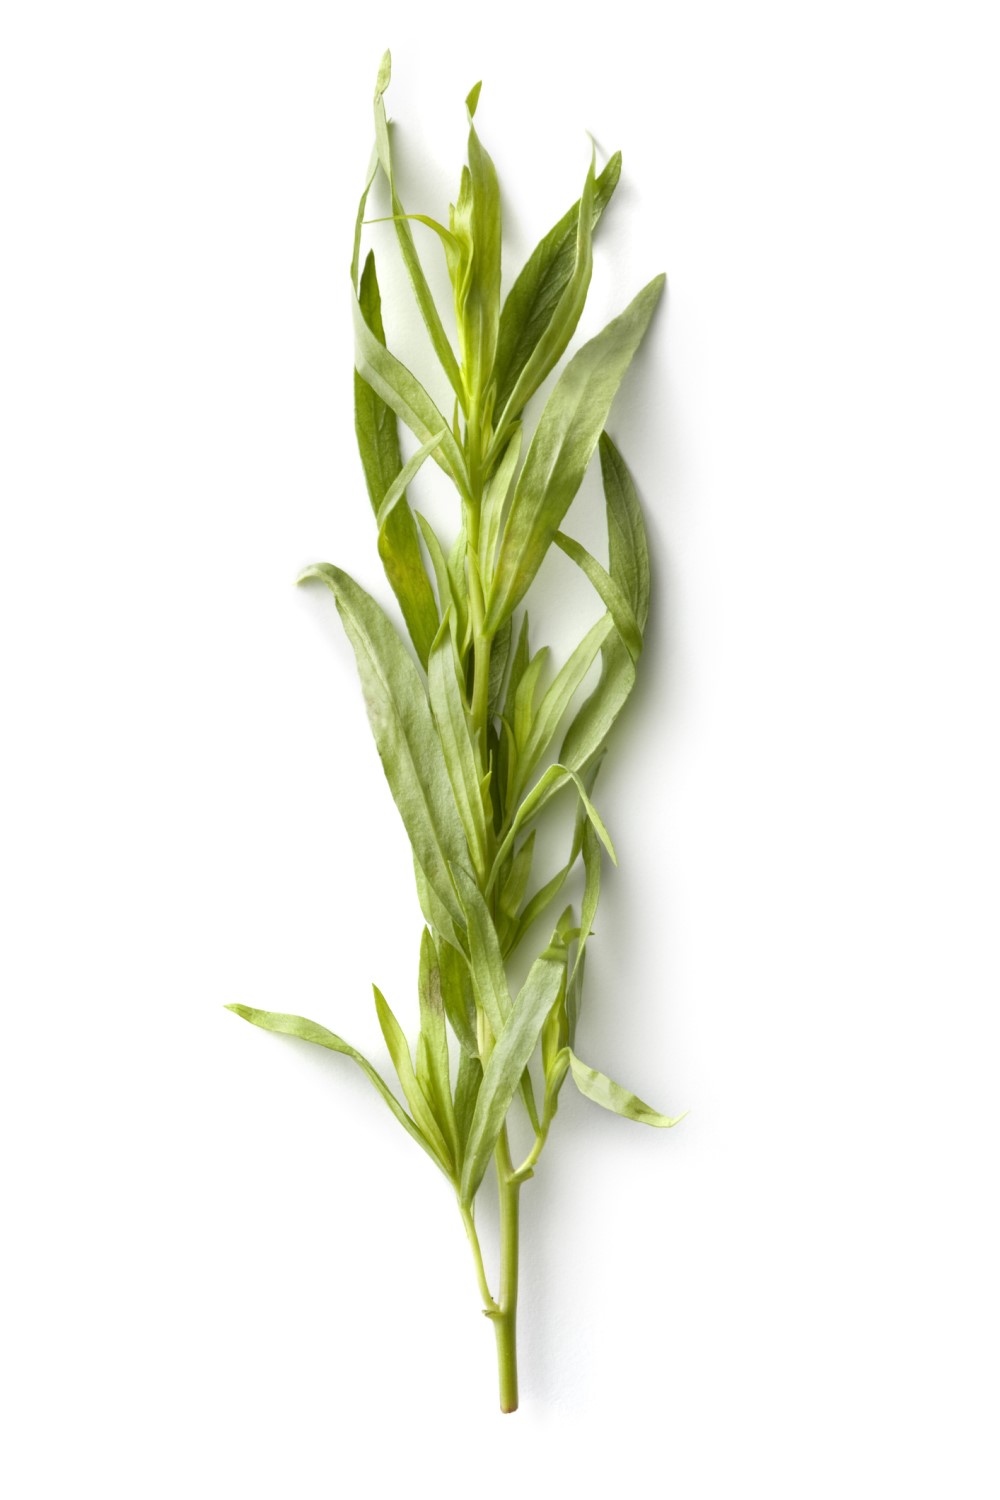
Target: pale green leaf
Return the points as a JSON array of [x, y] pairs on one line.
[[629, 568], [507, 1062], [514, 886], [436, 915], [399, 1051], [535, 295], [609, 592], [524, 699], [489, 978], [609, 1095], [359, 221], [401, 390], [555, 338], [546, 787], [433, 1066], [467, 1086], [547, 893], [378, 443], [476, 223], [499, 657], [460, 754], [458, 996], [557, 458], [557, 698], [309, 1031], [401, 723], [397, 490], [494, 500], [408, 250]]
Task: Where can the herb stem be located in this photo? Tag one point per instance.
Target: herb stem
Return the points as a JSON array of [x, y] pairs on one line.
[[505, 1322], [489, 1305]]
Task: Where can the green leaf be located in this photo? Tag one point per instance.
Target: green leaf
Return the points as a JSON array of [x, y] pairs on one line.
[[627, 546], [309, 1031], [378, 444], [476, 224], [401, 390], [535, 295], [609, 592], [591, 895], [494, 500], [458, 997], [513, 888], [408, 250], [566, 436], [397, 490], [435, 914], [524, 699], [359, 221], [467, 1086], [399, 1051], [438, 562], [609, 1095], [554, 340], [557, 699], [433, 1067], [546, 787], [543, 897], [629, 568], [499, 657], [460, 757], [401, 723], [460, 590], [507, 1062], [489, 977]]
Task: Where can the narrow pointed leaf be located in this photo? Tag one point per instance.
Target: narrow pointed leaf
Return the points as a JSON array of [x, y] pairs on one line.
[[359, 221], [476, 223], [524, 701], [489, 978], [591, 892], [546, 787], [409, 471], [460, 757], [401, 723], [629, 568], [555, 338], [507, 1062], [408, 250], [566, 436], [401, 390], [378, 443], [399, 1051], [433, 1047], [558, 697], [309, 1031], [609, 1095], [535, 294], [547, 893], [513, 888], [494, 500], [467, 1086], [499, 657], [458, 996], [609, 592]]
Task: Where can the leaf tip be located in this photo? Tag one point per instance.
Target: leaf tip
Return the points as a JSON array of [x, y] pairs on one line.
[[384, 74], [472, 99]]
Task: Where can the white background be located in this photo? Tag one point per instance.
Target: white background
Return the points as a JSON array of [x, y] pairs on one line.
[[227, 1272]]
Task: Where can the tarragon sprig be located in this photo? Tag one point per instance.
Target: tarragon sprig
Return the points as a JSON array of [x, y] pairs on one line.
[[467, 723]]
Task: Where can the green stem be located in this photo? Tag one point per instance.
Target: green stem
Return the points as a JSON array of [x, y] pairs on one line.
[[489, 1306], [505, 1321]]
